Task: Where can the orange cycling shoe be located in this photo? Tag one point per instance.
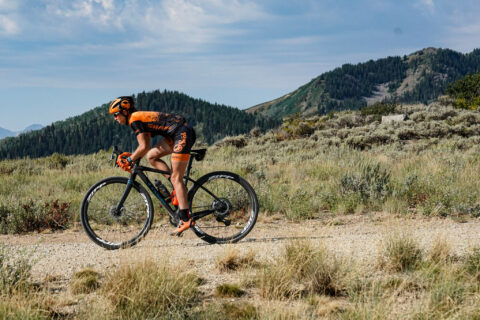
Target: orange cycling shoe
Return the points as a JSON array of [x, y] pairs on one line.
[[182, 226]]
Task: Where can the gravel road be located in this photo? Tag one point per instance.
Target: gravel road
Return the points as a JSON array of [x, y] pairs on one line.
[[358, 236]]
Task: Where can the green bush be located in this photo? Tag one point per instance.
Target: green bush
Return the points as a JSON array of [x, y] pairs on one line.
[[378, 109], [370, 184], [34, 216], [466, 91]]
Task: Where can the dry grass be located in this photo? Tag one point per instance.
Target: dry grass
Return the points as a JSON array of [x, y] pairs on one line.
[[301, 270], [441, 251], [85, 281], [233, 260], [400, 253], [229, 290], [149, 290]]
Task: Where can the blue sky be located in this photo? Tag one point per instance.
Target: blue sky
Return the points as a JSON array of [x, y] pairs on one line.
[[61, 58]]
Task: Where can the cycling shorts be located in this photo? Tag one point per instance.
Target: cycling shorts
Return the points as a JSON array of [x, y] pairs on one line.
[[182, 142]]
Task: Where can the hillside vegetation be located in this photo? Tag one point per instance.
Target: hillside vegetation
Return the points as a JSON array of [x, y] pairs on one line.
[[343, 163], [417, 78], [96, 129]]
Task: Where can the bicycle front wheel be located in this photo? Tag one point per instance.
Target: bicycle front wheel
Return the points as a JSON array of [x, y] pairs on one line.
[[233, 205], [109, 225]]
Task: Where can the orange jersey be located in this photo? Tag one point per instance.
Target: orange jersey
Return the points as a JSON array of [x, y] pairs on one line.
[[155, 123]]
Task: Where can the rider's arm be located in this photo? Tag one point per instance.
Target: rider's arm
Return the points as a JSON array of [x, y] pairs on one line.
[[143, 146]]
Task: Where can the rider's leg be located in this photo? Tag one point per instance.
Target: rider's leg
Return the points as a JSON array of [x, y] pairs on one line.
[[178, 170], [162, 148], [184, 140]]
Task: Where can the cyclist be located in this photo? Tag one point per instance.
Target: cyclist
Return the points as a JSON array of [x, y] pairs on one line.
[[178, 140]]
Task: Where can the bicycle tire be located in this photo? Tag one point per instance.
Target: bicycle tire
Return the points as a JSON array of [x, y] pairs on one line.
[[101, 221], [237, 205]]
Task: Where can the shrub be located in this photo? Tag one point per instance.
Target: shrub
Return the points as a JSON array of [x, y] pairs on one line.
[[378, 109], [466, 91], [57, 161], [33, 216], [372, 183], [237, 142]]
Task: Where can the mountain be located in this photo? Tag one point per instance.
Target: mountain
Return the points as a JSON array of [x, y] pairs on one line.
[[32, 127], [7, 133], [417, 78], [96, 129]]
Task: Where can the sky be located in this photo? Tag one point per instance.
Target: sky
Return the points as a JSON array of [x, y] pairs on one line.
[[61, 58]]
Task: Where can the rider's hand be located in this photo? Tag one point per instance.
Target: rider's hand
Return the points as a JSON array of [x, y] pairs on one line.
[[125, 162]]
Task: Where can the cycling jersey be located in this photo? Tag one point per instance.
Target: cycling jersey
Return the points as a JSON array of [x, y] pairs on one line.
[[179, 135], [155, 123]]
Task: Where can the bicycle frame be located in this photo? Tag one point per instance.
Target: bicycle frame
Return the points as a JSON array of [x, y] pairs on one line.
[[139, 170]]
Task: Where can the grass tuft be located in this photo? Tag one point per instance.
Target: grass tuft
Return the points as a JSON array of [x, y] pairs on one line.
[[229, 290], [150, 290], [400, 253], [303, 269], [232, 260], [85, 281]]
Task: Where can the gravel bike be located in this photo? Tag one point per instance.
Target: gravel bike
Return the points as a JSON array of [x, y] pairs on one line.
[[117, 212]]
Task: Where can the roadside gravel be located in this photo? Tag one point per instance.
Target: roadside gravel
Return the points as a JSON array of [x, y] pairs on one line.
[[359, 237]]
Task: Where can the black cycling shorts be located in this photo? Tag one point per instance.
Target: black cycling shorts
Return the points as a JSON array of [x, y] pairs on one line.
[[183, 140]]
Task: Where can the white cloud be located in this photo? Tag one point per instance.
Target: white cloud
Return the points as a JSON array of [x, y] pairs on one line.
[[99, 13], [426, 4], [8, 26], [198, 22]]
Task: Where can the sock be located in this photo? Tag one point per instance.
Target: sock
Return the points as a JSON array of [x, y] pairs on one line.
[[184, 214]]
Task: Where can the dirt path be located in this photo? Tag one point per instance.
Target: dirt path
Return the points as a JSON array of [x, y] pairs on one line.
[[359, 237]]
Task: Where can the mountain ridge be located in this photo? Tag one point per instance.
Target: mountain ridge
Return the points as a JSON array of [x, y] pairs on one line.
[[419, 77], [5, 133], [95, 130]]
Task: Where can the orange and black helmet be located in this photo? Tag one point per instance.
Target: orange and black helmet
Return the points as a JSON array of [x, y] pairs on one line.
[[122, 103]]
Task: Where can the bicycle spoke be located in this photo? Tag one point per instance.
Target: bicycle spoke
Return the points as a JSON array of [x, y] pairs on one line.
[[112, 227], [232, 208]]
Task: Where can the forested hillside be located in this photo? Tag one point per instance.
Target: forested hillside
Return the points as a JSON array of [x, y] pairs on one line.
[[96, 129], [417, 78]]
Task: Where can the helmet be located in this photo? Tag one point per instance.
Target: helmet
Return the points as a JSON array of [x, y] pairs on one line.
[[122, 103]]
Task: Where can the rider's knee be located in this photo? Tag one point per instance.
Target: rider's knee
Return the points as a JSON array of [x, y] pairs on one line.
[[151, 157]]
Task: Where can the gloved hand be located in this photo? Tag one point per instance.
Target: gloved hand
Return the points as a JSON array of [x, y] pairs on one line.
[[125, 162]]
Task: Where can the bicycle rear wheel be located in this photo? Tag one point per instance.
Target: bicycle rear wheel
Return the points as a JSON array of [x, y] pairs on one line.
[[112, 228], [233, 202]]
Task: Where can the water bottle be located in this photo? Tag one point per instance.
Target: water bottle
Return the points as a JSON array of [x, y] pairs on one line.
[[162, 189]]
